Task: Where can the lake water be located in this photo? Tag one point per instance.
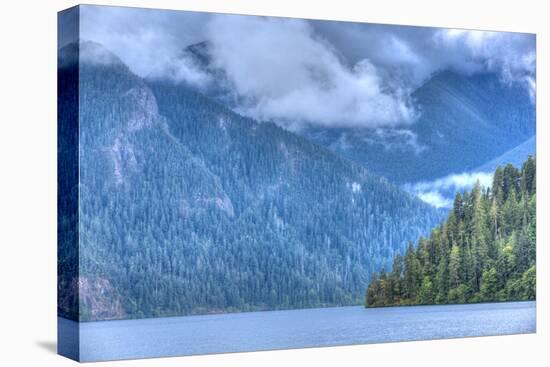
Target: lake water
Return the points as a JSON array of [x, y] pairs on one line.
[[238, 332]]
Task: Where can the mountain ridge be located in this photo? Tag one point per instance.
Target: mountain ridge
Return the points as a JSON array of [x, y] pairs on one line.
[[464, 121], [514, 156], [457, 131], [181, 196]]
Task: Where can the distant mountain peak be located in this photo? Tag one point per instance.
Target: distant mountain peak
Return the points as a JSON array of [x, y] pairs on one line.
[[465, 121], [201, 52], [96, 53], [87, 52]]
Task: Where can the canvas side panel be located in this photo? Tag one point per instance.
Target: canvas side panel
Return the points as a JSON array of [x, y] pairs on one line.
[[67, 183]]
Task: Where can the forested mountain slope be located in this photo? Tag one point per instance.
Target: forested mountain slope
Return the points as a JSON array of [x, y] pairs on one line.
[[464, 121], [187, 207], [485, 251]]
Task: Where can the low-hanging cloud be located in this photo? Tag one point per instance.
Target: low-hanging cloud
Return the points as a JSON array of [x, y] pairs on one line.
[[440, 192], [149, 41], [511, 55], [413, 54], [287, 73], [307, 72], [435, 199]]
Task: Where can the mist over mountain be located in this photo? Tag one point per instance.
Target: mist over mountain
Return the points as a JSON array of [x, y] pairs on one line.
[[300, 72], [464, 121], [187, 207]]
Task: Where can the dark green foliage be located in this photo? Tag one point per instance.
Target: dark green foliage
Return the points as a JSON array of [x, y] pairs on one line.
[[485, 250]]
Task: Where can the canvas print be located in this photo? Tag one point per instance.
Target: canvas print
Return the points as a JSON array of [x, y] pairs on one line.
[[233, 183]]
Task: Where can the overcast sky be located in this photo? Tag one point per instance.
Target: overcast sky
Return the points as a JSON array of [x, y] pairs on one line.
[[321, 72]]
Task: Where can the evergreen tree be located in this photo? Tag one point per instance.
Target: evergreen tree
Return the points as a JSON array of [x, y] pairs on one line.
[[485, 250], [426, 293]]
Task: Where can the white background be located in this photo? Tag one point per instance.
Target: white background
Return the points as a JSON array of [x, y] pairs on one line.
[[28, 183]]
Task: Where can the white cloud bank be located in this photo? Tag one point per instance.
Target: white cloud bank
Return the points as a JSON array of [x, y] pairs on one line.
[[300, 72], [147, 40], [505, 53], [413, 54], [440, 192], [434, 198], [287, 73]]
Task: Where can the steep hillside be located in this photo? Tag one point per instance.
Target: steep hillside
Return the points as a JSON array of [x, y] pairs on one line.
[[187, 207]]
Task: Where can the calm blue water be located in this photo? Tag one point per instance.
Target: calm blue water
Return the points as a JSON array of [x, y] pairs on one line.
[[108, 340]]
